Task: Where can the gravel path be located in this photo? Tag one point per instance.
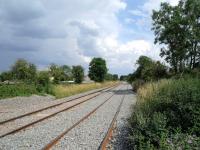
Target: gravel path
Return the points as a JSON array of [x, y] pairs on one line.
[[42, 133], [13, 107]]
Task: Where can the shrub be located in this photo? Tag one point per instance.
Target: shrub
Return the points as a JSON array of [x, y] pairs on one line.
[[137, 84], [78, 73], [43, 83], [165, 110], [8, 90]]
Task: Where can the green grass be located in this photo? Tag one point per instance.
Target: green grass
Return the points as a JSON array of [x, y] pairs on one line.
[[60, 91], [167, 115], [7, 90]]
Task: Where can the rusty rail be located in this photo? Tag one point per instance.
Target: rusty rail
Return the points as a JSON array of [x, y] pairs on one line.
[[108, 136], [51, 115], [56, 140]]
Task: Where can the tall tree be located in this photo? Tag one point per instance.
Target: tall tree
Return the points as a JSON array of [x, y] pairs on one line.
[[177, 29], [97, 69], [22, 70], [67, 72], [78, 73]]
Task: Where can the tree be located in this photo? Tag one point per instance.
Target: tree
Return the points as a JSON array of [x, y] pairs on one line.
[[57, 73], [6, 76], [109, 77], [67, 72], [42, 82], [115, 77], [97, 69], [78, 73], [22, 70], [177, 28], [148, 69]]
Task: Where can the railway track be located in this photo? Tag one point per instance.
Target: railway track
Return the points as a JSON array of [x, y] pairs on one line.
[[108, 135], [10, 126]]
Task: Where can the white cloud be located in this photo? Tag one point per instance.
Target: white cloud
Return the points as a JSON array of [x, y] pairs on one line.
[[68, 32]]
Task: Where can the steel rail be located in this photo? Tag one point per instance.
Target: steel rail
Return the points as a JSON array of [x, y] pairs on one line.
[[106, 140], [56, 140], [45, 108], [51, 115]]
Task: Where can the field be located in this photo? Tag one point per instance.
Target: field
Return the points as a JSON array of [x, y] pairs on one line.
[[60, 91], [167, 115]]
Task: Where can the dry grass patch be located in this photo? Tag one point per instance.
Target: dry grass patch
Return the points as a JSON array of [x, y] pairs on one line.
[[61, 91]]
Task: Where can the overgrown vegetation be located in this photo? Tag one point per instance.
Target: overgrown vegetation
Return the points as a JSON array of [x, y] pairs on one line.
[[148, 70], [21, 89], [167, 112], [61, 91], [167, 115]]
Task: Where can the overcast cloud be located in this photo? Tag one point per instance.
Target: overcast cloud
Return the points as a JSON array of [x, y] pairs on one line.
[[73, 31]]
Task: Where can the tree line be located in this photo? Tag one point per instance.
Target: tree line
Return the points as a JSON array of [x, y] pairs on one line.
[[23, 70]]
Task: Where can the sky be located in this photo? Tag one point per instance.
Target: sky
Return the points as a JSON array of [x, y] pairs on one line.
[[72, 32]]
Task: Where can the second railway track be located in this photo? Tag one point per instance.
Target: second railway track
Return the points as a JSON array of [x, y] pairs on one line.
[[14, 125], [107, 136]]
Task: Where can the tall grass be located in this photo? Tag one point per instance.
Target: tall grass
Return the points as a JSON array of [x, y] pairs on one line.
[[60, 91], [167, 115]]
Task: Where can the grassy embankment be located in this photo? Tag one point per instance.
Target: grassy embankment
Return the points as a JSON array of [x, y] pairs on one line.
[[59, 91], [167, 115]]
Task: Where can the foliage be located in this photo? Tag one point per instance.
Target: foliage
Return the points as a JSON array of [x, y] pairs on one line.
[[123, 78], [111, 77], [60, 73], [166, 115], [42, 82], [22, 70], [78, 73], [5, 76], [97, 69], [115, 77], [136, 84], [178, 28], [148, 70], [12, 90], [67, 71]]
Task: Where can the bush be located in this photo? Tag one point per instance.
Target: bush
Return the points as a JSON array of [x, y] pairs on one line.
[[137, 84], [78, 73], [43, 83], [166, 111], [7, 90]]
